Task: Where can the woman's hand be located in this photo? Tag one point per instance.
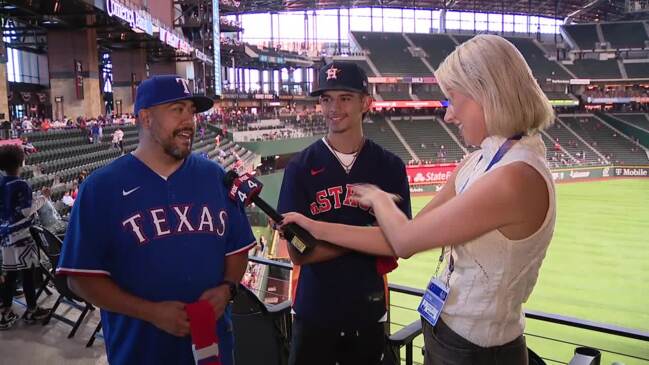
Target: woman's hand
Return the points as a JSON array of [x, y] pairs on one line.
[[369, 195], [309, 224]]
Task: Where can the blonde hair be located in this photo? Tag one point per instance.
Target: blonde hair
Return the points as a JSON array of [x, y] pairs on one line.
[[491, 71]]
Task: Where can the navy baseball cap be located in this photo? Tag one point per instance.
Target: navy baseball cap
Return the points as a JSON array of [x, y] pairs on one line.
[[340, 75], [164, 89]]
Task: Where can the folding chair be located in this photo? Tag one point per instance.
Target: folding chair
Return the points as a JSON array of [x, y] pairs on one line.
[[51, 246]]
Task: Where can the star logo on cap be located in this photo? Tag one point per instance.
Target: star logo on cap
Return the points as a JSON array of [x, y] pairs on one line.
[[332, 73]]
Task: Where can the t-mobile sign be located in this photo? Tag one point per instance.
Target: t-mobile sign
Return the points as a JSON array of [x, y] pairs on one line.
[[216, 36]]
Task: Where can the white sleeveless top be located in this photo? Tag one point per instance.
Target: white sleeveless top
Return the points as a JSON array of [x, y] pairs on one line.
[[494, 275]]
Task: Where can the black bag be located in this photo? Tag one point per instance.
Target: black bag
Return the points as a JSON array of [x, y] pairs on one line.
[[534, 359]]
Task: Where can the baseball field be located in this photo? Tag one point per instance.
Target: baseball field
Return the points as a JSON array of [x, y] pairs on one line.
[[596, 269]]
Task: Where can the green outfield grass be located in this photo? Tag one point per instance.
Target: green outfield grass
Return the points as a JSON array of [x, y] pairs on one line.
[[597, 268]]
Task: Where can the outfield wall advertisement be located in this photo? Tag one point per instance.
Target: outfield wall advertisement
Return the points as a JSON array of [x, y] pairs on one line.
[[430, 178], [429, 174]]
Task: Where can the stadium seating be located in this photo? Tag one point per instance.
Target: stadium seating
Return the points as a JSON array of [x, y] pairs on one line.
[[429, 140], [637, 70], [458, 135], [625, 34], [436, 46], [389, 53], [362, 64], [63, 154], [462, 38], [557, 95], [595, 69], [618, 149], [541, 66], [54, 135], [380, 132], [571, 143], [637, 119], [59, 153], [395, 95], [584, 35], [428, 92], [556, 157], [44, 144]]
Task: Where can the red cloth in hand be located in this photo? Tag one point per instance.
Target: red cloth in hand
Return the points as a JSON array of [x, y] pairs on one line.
[[202, 323], [386, 264]]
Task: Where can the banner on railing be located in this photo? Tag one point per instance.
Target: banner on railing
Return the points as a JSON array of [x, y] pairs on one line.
[[639, 171], [429, 174], [618, 100], [402, 80], [430, 178], [407, 104], [581, 173]]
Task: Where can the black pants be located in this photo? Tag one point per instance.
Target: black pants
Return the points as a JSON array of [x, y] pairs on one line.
[[9, 287], [445, 347], [315, 345]]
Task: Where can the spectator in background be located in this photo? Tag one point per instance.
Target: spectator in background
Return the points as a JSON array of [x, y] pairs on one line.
[[58, 124], [28, 148], [82, 176], [118, 137], [27, 125], [48, 216], [45, 126], [19, 251], [94, 130], [68, 198], [5, 129]]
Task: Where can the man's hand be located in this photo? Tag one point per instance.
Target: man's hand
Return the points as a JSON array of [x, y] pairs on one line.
[[170, 317], [218, 297]]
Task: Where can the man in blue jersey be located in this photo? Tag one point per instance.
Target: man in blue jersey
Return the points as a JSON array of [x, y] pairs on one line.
[[340, 302], [155, 231]]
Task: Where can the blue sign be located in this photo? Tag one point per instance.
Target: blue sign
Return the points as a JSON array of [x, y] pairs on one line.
[[216, 36]]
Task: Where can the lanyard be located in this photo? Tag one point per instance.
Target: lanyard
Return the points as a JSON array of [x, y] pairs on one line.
[[502, 150]]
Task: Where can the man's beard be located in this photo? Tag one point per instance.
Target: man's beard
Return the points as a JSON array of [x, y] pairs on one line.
[[171, 148], [178, 153]]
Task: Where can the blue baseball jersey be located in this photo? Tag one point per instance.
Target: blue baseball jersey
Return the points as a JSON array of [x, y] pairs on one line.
[[16, 196], [348, 291], [158, 239]]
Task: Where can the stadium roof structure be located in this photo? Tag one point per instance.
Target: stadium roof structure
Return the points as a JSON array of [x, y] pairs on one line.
[[603, 10]]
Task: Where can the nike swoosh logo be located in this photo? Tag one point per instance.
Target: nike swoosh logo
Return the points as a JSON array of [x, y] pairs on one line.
[[125, 193], [315, 172]]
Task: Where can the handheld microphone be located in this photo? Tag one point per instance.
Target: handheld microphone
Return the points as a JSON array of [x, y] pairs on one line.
[[246, 189]]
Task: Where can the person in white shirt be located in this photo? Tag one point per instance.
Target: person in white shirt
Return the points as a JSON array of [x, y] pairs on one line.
[[118, 137], [494, 217], [68, 199], [59, 124], [27, 125]]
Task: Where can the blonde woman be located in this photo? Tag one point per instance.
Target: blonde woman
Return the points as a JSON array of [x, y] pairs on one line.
[[494, 218]]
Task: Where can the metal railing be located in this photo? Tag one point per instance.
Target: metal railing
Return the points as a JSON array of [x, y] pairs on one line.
[[557, 319]]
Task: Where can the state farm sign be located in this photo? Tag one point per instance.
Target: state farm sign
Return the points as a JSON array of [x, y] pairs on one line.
[[429, 174]]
